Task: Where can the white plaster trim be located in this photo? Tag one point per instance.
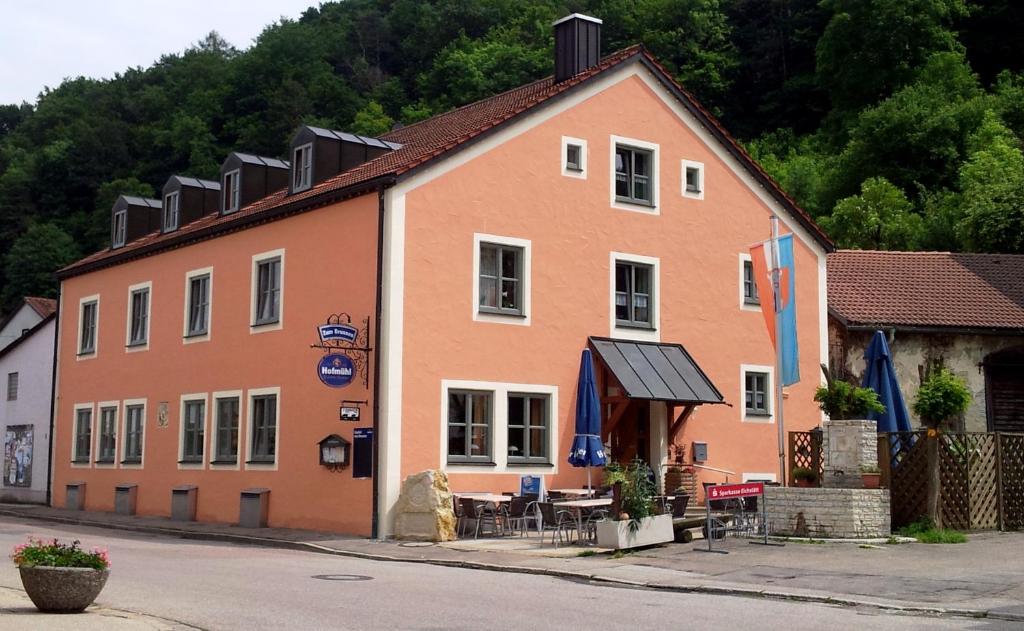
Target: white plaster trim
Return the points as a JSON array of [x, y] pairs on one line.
[[242, 407], [658, 431], [98, 424], [389, 440], [196, 396], [123, 444], [128, 347], [96, 333], [74, 433], [185, 338], [655, 174], [745, 258], [823, 324], [584, 158], [254, 279], [747, 477], [690, 164], [770, 394], [499, 426], [478, 316], [262, 466], [630, 333], [54, 417]]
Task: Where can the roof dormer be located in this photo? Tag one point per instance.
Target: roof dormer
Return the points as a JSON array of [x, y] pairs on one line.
[[245, 178], [132, 217], [319, 154], [187, 199]]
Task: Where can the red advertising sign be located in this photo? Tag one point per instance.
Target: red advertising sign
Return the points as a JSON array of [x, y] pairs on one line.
[[733, 491]]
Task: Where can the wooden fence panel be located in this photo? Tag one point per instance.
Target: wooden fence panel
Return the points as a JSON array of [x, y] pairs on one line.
[[805, 452], [1011, 460], [908, 467], [983, 481]]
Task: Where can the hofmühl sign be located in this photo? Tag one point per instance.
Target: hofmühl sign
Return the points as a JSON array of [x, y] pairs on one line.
[[339, 332], [735, 491], [335, 370]]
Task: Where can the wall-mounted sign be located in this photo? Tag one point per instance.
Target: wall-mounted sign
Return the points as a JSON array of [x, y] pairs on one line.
[[335, 370], [338, 332], [362, 452], [349, 413], [161, 414]]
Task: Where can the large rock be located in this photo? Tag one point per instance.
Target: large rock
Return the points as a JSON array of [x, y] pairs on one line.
[[424, 510]]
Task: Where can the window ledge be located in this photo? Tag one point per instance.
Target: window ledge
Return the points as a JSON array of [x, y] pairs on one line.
[[521, 463], [749, 414], [86, 354], [105, 461], [137, 344], [751, 303], [257, 325], [266, 462], [192, 336], [225, 462], [471, 463], [132, 461], [80, 461], [627, 325], [496, 312], [191, 461], [634, 202]]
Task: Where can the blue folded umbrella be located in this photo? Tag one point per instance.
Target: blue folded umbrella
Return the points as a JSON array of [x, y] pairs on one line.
[[880, 376], [587, 449]]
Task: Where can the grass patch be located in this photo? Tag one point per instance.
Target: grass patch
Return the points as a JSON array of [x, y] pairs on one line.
[[586, 553], [621, 553], [924, 530], [893, 541]]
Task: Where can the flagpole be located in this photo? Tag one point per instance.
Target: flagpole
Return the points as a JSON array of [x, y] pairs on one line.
[[777, 305]]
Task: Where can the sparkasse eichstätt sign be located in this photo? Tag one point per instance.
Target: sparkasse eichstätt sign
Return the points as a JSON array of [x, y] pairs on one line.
[[735, 491]]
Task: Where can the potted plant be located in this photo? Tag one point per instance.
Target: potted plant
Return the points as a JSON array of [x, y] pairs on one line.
[[942, 397], [636, 523], [842, 400], [60, 577], [871, 476], [804, 477]]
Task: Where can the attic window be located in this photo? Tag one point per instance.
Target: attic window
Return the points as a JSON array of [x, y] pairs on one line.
[[302, 168], [693, 179], [171, 208], [230, 191], [120, 223]]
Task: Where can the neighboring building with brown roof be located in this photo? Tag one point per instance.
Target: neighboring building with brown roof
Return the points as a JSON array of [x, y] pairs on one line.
[[26, 315], [966, 310]]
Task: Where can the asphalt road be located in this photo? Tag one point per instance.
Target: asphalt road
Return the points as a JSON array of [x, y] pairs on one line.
[[223, 586]]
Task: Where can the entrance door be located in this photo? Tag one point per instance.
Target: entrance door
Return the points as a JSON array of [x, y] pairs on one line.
[[631, 437], [1004, 390]]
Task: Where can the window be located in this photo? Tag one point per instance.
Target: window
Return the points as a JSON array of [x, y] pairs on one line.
[[527, 428], [469, 426], [198, 306], [230, 191], [12, 386], [172, 207], [192, 431], [633, 175], [501, 277], [226, 428], [574, 157], [120, 226], [133, 428], [756, 394], [83, 435], [693, 179], [87, 328], [108, 435], [268, 291], [138, 333], [302, 168], [264, 428], [750, 296], [633, 295]]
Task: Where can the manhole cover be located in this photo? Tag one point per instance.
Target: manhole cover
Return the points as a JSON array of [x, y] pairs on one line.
[[342, 577], [416, 544]]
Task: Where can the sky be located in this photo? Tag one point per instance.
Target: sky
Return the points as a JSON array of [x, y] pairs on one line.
[[44, 41]]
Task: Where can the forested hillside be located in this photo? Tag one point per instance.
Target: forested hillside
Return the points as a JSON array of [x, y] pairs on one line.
[[896, 123]]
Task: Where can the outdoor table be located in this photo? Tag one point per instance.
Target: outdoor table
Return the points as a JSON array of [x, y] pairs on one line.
[[577, 507], [576, 492]]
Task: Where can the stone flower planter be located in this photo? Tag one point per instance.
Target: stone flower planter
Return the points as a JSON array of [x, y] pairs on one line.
[[63, 589], [617, 534]]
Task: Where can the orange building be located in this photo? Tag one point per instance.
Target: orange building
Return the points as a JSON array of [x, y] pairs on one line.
[[474, 255]]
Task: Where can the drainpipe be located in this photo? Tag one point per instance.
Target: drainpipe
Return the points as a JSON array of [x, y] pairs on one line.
[[378, 443], [53, 402]]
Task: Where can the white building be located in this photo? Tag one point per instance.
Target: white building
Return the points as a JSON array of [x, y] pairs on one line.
[[29, 313], [26, 378]]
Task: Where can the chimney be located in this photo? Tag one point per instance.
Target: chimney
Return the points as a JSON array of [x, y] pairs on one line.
[[577, 45]]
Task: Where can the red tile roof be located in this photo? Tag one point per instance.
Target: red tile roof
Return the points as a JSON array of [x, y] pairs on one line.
[[43, 306], [422, 142], [927, 289]]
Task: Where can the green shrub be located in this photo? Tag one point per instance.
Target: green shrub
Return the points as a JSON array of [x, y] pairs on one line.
[[56, 554], [842, 400], [942, 396], [803, 473], [637, 490], [924, 531]]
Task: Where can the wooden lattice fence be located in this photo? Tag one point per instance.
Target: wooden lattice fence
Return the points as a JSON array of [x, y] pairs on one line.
[[1011, 456], [805, 452]]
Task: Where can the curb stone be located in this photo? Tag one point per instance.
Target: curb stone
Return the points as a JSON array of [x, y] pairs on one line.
[[710, 589]]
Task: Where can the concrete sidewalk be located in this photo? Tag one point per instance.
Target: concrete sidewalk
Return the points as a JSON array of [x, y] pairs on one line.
[[982, 578], [18, 612]]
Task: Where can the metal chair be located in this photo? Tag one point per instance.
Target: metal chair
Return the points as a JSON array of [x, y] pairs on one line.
[[590, 525], [481, 513], [557, 521]]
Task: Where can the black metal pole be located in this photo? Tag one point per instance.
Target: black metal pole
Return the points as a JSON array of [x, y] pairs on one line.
[[377, 442], [53, 402]]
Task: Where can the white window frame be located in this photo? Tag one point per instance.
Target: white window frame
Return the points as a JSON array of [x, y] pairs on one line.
[[580, 174], [744, 258], [655, 149], [204, 337], [148, 287], [253, 289], [231, 199], [249, 408], [195, 396], [770, 371], [97, 423], [499, 427], [523, 319], [169, 211], [690, 164], [123, 442], [75, 409], [80, 355], [748, 476], [652, 334], [305, 180], [215, 397], [119, 234]]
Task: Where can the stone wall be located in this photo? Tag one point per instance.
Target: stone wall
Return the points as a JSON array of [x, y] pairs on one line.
[[848, 447], [828, 513]]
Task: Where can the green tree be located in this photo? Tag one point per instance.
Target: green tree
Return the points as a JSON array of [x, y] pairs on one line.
[[30, 264], [992, 190], [880, 218], [372, 121]]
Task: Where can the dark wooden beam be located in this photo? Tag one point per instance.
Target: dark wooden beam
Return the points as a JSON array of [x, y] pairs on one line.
[[677, 424], [617, 413]]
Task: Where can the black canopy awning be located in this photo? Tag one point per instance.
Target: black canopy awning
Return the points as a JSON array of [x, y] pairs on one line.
[[656, 371]]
